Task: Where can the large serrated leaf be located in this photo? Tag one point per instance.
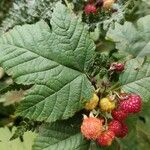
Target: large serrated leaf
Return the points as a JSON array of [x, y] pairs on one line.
[[54, 61], [60, 136], [134, 39], [136, 78]]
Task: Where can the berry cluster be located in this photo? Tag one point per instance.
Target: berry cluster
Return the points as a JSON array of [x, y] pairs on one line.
[[93, 6], [102, 129]]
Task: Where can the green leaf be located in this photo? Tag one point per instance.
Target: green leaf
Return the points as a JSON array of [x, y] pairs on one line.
[[143, 129], [134, 39], [16, 144], [60, 135], [54, 61], [136, 78], [129, 141], [146, 1]]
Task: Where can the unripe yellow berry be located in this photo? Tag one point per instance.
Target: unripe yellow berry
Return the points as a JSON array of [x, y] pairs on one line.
[[92, 103], [106, 104], [107, 4]]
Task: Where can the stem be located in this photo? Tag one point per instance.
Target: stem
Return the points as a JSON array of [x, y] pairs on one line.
[[117, 94], [106, 122], [98, 44], [92, 145], [117, 144], [68, 5], [127, 4], [115, 87], [105, 118]]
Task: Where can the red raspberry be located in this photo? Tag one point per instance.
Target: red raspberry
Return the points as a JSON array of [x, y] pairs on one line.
[[91, 127], [106, 138], [120, 129], [124, 131], [118, 67], [90, 8], [115, 126], [131, 105], [119, 115]]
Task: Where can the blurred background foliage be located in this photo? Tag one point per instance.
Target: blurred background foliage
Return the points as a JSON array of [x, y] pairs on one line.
[[17, 144]]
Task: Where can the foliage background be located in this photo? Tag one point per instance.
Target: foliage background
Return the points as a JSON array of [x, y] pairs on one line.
[[14, 12]]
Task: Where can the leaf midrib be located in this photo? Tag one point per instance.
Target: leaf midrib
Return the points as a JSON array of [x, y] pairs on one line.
[[40, 55]]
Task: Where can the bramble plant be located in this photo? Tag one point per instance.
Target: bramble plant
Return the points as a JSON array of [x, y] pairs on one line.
[[76, 73]]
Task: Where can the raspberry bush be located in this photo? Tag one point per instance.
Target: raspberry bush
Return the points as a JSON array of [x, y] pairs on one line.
[[76, 73]]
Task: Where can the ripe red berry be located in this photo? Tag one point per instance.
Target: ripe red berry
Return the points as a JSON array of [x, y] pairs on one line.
[[106, 138], [90, 8], [118, 67], [119, 115], [124, 131], [115, 126], [120, 129], [131, 105], [91, 128]]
